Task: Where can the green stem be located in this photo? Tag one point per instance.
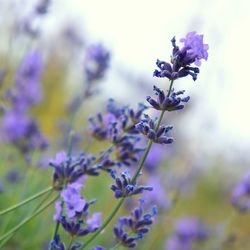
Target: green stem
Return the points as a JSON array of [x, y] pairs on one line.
[[26, 201], [71, 242], [119, 204], [26, 220], [6, 240], [139, 167], [37, 207]]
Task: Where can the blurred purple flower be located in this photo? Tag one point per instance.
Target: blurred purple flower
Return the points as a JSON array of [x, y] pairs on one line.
[[16, 125], [22, 131], [27, 81], [96, 62], [154, 158], [98, 248], [158, 194], [58, 213], [174, 243], [241, 194], [190, 228], [59, 158], [13, 176], [187, 230], [94, 221]]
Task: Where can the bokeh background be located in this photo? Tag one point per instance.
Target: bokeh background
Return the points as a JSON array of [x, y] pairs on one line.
[[212, 139]]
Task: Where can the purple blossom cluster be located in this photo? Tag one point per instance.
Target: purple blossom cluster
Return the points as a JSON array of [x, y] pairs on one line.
[[134, 227], [18, 126], [124, 186], [193, 51], [72, 212], [96, 62], [129, 133], [187, 231], [240, 197]]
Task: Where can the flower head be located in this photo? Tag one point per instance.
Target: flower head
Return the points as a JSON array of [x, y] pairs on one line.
[[125, 187], [94, 221], [73, 201], [195, 48], [187, 231], [148, 127], [134, 227], [241, 194], [169, 102], [96, 62], [193, 51]]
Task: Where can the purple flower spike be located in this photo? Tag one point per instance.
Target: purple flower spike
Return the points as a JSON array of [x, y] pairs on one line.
[[27, 81], [192, 52], [241, 195], [96, 62], [187, 231], [138, 223]]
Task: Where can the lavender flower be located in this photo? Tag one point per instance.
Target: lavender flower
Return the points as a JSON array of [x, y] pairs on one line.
[[73, 201], [127, 152], [193, 51], [42, 7], [187, 231], [98, 248], [124, 186], [27, 82], [96, 62], [171, 103], [23, 132], [74, 227], [194, 48], [72, 168], [13, 176], [241, 194], [148, 128], [138, 223], [154, 159], [94, 222], [158, 195]]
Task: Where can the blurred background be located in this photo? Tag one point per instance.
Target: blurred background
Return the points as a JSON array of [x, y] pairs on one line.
[[212, 138]]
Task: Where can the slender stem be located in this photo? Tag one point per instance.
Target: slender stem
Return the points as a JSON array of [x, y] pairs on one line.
[[6, 240], [26, 220], [26, 201], [37, 207], [139, 167], [71, 242]]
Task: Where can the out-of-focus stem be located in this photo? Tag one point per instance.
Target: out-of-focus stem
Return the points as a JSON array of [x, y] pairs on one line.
[[26, 220], [26, 201]]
